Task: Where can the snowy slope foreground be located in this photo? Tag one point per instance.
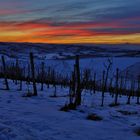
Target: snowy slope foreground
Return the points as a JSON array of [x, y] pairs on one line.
[[39, 118]]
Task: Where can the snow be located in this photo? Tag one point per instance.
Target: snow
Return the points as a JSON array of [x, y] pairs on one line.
[[67, 51], [39, 118], [96, 64], [61, 57], [132, 71]]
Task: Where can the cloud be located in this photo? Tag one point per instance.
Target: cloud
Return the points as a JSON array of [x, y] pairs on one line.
[[69, 19]]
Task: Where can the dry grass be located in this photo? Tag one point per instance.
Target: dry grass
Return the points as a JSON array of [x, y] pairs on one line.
[[68, 107], [94, 117]]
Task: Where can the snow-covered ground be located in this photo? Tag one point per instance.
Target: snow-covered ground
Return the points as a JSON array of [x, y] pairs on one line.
[[68, 51], [61, 57], [96, 64], [39, 118]]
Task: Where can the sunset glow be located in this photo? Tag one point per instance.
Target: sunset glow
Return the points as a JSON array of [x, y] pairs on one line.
[[76, 21]]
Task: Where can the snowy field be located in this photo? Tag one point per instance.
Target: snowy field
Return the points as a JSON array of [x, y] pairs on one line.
[[39, 118], [96, 65], [68, 51], [61, 57]]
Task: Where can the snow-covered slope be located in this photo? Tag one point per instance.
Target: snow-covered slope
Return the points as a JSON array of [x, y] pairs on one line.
[[132, 71], [61, 56], [39, 118]]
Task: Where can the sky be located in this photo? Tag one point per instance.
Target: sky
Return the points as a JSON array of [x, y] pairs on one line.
[[70, 21]]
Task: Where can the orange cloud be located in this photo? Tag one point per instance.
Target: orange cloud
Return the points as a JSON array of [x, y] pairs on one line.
[[45, 32]]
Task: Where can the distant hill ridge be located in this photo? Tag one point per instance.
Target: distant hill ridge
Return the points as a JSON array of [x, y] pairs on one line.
[[63, 51]]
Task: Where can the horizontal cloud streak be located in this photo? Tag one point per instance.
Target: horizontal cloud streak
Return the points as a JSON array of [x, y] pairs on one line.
[[66, 21]]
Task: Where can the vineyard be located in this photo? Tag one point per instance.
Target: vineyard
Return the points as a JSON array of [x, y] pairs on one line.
[[41, 101], [76, 80]]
